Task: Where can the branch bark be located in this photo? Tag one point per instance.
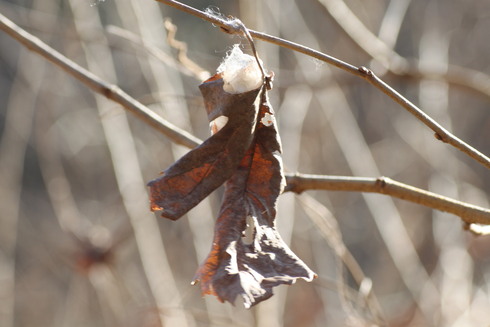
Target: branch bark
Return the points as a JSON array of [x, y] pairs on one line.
[[111, 91], [396, 64], [441, 133], [470, 214], [297, 183]]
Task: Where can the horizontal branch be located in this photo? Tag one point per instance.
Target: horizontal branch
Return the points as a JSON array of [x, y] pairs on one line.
[[470, 214], [441, 134], [296, 182]]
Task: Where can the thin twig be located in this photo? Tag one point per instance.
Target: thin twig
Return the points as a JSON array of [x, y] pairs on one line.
[[396, 64], [111, 91], [251, 42], [184, 66], [363, 37], [228, 26], [181, 47], [470, 214], [296, 183], [440, 132], [328, 227]]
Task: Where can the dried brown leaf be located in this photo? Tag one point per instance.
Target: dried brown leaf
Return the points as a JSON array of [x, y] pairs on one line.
[[190, 179], [235, 267], [246, 154]]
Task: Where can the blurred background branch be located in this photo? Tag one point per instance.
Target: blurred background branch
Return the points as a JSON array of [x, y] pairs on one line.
[[386, 59], [111, 91], [77, 244], [296, 183], [440, 132]]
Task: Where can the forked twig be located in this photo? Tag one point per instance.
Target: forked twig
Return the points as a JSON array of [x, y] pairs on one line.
[[296, 182], [440, 132]]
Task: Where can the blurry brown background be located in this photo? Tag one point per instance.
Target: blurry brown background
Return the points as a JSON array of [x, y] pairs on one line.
[[78, 245]]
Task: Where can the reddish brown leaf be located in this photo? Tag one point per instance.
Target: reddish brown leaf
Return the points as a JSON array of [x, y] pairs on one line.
[[246, 154], [189, 180], [234, 267]]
